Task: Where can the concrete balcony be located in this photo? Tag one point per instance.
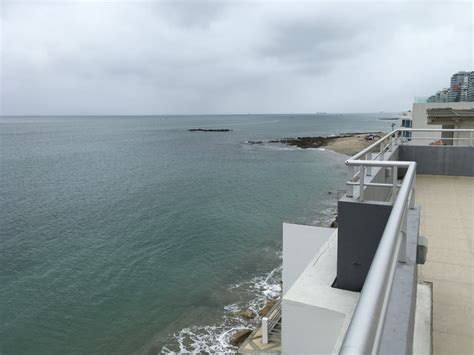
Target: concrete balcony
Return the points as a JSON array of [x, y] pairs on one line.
[[369, 288]]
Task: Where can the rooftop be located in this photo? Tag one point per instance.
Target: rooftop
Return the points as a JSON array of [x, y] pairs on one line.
[[447, 210]]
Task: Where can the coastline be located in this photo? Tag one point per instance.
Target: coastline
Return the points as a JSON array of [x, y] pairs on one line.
[[345, 143], [350, 145]]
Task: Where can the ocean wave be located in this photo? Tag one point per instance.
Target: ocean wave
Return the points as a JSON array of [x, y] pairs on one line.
[[217, 337]]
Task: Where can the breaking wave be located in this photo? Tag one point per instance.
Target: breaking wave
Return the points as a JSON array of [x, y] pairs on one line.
[[217, 338]]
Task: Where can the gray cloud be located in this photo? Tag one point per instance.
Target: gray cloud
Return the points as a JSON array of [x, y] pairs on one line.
[[90, 57]]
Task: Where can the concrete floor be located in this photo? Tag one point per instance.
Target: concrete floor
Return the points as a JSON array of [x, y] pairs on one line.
[[447, 220]]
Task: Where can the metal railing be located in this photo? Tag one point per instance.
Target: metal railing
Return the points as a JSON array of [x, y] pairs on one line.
[[363, 164], [364, 333]]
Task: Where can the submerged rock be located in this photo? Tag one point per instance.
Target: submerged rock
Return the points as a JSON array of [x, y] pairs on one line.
[[268, 306], [239, 337], [247, 314]]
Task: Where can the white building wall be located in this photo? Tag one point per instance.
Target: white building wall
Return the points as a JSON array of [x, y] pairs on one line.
[[300, 244], [420, 120], [315, 315]]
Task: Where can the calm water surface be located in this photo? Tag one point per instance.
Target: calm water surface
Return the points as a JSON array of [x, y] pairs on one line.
[[133, 235]]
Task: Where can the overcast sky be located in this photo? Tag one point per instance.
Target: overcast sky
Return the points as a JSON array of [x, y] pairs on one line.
[[184, 57]]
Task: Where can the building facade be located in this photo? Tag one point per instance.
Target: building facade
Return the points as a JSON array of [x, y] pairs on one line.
[[461, 89]]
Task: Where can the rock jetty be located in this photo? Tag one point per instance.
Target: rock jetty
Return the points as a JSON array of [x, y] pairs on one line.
[[209, 130]]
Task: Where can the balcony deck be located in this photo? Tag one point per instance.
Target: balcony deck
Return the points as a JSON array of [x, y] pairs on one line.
[[447, 221]]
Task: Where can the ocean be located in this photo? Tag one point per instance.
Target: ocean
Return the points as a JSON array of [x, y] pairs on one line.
[[130, 234]]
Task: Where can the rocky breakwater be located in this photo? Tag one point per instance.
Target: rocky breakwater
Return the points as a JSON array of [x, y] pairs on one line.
[[344, 143], [304, 142], [209, 130]]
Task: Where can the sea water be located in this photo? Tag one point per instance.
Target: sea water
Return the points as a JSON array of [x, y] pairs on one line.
[[124, 234]]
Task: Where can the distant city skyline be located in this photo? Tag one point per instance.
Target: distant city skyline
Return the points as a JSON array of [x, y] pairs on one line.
[[208, 57], [461, 89]]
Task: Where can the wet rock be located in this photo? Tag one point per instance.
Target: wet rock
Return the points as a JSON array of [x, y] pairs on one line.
[[247, 314], [239, 337], [209, 130], [334, 223], [268, 306]]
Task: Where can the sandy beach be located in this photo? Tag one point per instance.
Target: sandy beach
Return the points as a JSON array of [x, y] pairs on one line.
[[346, 143], [350, 145]]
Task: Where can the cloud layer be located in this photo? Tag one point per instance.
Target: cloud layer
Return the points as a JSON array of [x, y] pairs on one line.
[[183, 57]]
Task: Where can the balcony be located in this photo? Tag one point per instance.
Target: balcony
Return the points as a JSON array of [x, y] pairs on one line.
[[370, 286]]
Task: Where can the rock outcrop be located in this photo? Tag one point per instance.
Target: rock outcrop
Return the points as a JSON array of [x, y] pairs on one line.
[[209, 130], [247, 314], [239, 337], [268, 306]]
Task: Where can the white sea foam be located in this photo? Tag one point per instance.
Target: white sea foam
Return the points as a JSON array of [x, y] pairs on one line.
[[260, 289], [216, 338]]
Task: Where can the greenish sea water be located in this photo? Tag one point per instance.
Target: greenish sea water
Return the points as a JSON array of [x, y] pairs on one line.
[[126, 234]]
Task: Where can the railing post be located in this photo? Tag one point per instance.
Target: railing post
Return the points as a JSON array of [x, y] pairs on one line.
[[350, 188], [361, 182], [264, 330], [394, 182], [368, 156]]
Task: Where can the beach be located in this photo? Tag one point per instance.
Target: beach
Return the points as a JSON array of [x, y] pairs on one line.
[[345, 143], [350, 145]]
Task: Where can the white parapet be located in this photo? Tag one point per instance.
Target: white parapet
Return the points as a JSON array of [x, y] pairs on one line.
[[315, 315], [300, 245]]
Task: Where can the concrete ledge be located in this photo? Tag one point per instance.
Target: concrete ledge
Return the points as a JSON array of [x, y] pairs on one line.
[[423, 338], [316, 315], [397, 335], [300, 244]]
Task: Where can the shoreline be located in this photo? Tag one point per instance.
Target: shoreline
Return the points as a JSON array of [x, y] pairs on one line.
[[345, 143], [353, 144]]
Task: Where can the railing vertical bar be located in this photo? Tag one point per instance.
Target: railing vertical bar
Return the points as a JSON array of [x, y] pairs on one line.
[[361, 182], [394, 182], [368, 156], [264, 330], [350, 188]]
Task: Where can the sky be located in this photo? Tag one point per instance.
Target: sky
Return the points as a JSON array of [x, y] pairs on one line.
[[72, 57]]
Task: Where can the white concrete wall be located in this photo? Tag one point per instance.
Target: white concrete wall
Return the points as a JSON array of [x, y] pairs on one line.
[[315, 316], [420, 119], [300, 244]]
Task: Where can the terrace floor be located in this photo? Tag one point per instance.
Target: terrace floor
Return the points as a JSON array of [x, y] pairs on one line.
[[447, 214]]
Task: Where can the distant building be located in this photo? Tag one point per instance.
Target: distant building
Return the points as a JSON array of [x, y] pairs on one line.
[[461, 89], [470, 87]]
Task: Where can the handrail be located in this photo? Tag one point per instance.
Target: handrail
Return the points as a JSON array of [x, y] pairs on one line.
[[372, 146], [363, 334], [395, 134]]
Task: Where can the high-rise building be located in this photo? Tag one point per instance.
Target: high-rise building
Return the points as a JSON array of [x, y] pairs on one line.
[[470, 87], [458, 86], [461, 89]]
